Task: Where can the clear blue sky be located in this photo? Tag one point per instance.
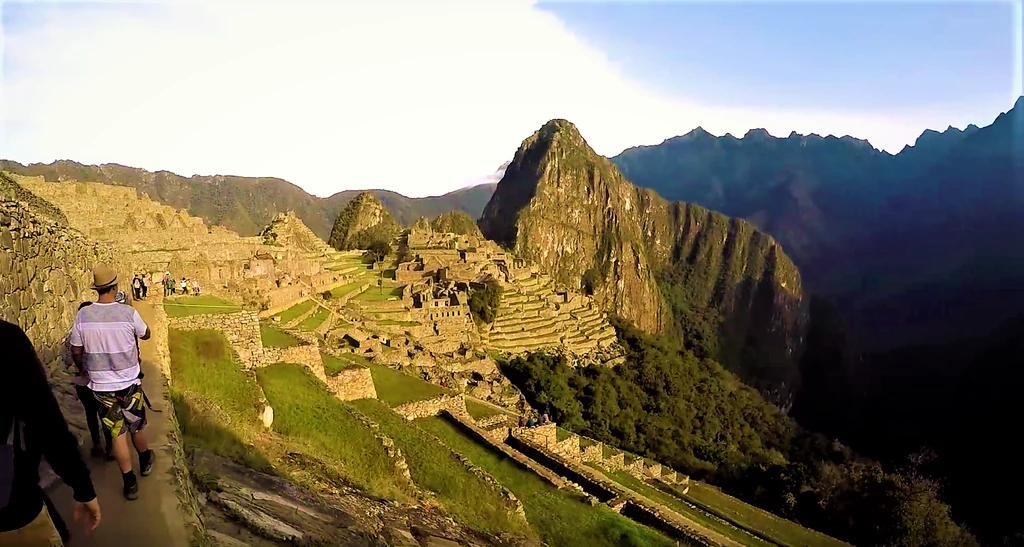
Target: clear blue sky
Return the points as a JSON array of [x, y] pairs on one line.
[[868, 54]]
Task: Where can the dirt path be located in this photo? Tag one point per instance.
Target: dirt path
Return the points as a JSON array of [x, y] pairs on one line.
[[155, 519]]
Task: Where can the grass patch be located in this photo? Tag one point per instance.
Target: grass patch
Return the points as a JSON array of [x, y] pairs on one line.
[[479, 411], [559, 517], [466, 496], [333, 365], [357, 359], [289, 315], [305, 412], [376, 294], [779, 530], [338, 292], [607, 451], [216, 402], [561, 434], [684, 509], [315, 319], [199, 305], [585, 442], [389, 322], [395, 387], [274, 337]]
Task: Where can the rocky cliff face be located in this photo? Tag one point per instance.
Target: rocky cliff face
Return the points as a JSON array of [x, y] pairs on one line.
[[654, 262], [363, 220]]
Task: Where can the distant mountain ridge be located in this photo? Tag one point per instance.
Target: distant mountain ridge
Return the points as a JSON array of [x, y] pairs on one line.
[[865, 227], [247, 204]]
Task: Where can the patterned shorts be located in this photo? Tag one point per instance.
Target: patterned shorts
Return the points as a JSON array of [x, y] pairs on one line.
[[122, 411]]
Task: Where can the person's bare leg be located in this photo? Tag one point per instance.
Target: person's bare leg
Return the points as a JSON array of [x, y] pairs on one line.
[[121, 454], [139, 439]]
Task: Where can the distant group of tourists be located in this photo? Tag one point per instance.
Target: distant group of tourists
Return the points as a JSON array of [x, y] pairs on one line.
[[103, 347], [532, 422], [185, 286], [140, 286]]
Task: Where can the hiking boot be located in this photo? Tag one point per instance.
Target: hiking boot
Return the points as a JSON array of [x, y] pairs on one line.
[[131, 491], [146, 462]]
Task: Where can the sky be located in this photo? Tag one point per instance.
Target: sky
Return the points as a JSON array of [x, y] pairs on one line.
[[426, 97]]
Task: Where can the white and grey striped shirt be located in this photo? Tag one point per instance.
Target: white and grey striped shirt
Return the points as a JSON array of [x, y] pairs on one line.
[[109, 333]]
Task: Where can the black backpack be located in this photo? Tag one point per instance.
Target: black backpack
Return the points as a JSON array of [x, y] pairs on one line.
[[13, 436]]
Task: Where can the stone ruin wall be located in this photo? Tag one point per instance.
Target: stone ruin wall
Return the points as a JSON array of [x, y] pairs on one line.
[[455, 404], [546, 436], [242, 331], [45, 272], [351, 384]]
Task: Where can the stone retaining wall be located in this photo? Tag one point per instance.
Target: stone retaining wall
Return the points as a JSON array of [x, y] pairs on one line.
[[392, 451], [308, 356], [455, 404], [351, 384], [484, 438], [241, 329]]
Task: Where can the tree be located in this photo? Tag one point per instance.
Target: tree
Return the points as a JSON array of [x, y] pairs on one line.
[[379, 250]]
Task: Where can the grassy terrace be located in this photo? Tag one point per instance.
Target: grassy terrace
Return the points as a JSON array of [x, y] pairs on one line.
[[333, 365], [376, 294], [306, 413], [395, 387], [779, 530], [274, 337], [681, 507], [316, 319], [338, 292], [466, 496], [479, 410], [215, 400], [198, 305], [389, 322], [559, 517], [291, 313]]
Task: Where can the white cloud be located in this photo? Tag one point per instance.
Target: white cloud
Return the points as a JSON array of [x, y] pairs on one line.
[[417, 97]]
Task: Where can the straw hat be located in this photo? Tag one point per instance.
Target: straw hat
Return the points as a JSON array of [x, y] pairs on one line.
[[103, 276]]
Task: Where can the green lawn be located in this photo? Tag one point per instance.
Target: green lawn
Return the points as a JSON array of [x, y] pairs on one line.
[[479, 411], [679, 506], [395, 387], [287, 316], [779, 530], [338, 292], [376, 294], [306, 413], [216, 401], [585, 442], [274, 337], [315, 319], [558, 516], [384, 322], [198, 305], [466, 496], [333, 365], [561, 434]]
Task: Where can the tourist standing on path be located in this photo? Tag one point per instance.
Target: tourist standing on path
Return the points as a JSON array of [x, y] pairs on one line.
[[104, 342], [168, 285], [195, 286], [136, 287], [144, 285], [32, 427], [89, 402], [184, 285]]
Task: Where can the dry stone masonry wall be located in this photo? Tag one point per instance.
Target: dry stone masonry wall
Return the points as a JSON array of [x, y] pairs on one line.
[[352, 384], [456, 404], [241, 329]]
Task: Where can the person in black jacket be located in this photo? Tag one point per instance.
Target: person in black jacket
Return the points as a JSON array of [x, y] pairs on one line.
[[32, 427]]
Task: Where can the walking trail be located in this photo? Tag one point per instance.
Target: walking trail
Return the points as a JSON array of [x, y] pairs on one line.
[[155, 519]]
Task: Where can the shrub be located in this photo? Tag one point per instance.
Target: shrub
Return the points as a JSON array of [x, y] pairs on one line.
[[483, 303]]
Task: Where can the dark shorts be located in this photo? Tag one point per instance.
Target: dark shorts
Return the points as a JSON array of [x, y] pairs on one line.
[[122, 411]]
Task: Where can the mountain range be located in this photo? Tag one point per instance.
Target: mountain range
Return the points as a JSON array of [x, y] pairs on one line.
[[247, 204]]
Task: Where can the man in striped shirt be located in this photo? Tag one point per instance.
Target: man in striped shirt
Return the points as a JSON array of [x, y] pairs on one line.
[[104, 343]]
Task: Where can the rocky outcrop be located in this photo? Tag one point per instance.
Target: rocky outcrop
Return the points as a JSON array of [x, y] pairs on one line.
[[287, 230], [362, 221], [569, 210]]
